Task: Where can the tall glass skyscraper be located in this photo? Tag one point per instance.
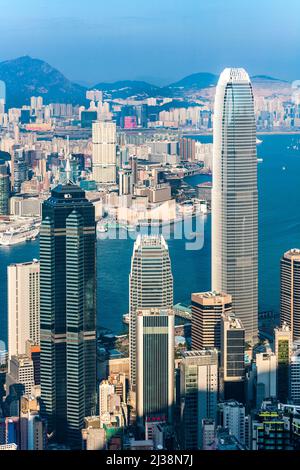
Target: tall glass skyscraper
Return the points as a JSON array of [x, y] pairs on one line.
[[155, 345], [234, 198], [150, 285], [68, 312]]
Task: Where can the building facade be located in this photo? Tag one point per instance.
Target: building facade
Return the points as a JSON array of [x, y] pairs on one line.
[[290, 291], [198, 394], [23, 306], [207, 309], [104, 152], [232, 358], [155, 345], [234, 198], [68, 312], [150, 285]]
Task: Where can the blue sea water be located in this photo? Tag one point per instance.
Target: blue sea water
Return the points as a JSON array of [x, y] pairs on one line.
[[279, 230]]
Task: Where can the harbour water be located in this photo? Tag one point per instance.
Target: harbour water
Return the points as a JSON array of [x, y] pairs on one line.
[[279, 230]]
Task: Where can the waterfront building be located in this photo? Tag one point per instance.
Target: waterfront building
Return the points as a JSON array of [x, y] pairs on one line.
[[266, 376], [4, 189], [283, 349], [23, 306], [234, 198], [233, 418], [155, 364], [68, 312], [104, 157], [207, 309], [150, 285], [198, 394], [232, 376], [290, 291]]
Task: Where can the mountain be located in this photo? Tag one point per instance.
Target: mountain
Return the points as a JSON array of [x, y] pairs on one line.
[[266, 78], [26, 77], [196, 80], [126, 88]]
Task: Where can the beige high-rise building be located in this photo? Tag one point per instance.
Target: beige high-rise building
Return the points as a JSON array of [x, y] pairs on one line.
[[207, 309], [235, 198], [150, 285], [290, 291], [104, 157], [23, 306]]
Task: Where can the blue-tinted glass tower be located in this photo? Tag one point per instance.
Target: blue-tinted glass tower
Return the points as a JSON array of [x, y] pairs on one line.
[[68, 312]]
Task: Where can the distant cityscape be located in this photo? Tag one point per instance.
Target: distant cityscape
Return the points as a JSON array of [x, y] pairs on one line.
[[215, 374]]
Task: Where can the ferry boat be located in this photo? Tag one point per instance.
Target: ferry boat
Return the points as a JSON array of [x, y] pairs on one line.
[[101, 228], [13, 236], [258, 141]]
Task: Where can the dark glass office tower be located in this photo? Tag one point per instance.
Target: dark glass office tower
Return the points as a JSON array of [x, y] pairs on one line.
[[68, 312]]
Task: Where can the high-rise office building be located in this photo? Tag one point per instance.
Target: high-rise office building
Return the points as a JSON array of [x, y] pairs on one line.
[[150, 285], [232, 376], [134, 169], [207, 308], [4, 189], [155, 345], [233, 418], [265, 376], [234, 198], [198, 394], [23, 306], [68, 312], [290, 291], [294, 387], [283, 350], [21, 372], [104, 152], [125, 184], [20, 169]]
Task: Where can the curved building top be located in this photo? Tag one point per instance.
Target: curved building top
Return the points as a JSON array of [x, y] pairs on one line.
[[234, 75]]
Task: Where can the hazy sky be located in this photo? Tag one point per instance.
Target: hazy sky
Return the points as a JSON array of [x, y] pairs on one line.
[[158, 40]]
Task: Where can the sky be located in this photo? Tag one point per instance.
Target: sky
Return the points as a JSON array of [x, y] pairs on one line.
[[160, 41]]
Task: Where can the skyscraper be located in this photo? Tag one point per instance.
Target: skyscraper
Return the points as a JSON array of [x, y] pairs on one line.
[[150, 285], [68, 312], [4, 189], [290, 291], [234, 197], [104, 152], [19, 169], [283, 349], [198, 394], [233, 418], [265, 377], [232, 374], [207, 308], [155, 345], [23, 306]]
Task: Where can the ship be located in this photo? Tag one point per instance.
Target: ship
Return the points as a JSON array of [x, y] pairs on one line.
[[258, 141], [101, 228], [13, 236]]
